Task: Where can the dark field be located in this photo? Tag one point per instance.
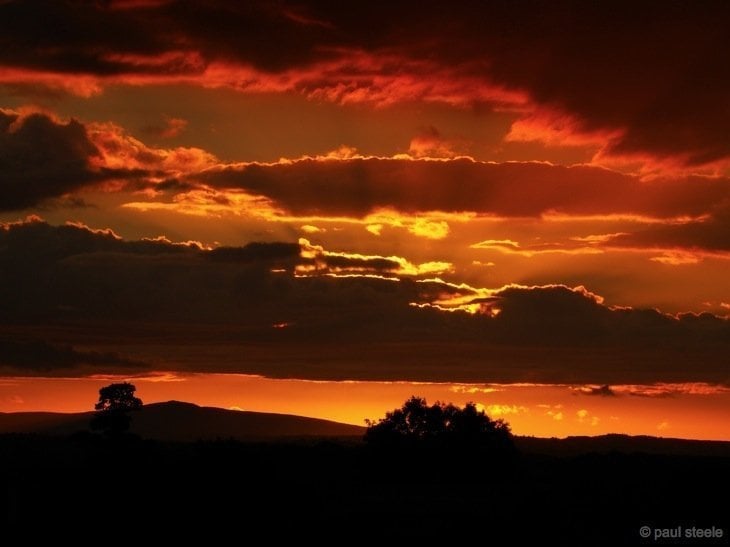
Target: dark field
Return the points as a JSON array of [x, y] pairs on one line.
[[577, 491]]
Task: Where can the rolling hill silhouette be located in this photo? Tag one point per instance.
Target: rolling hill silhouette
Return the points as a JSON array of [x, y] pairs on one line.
[[576, 491], [178, 421], [181, 421]]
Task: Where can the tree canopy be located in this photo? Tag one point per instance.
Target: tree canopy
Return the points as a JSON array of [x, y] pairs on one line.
[[112, 409], [418, 423]]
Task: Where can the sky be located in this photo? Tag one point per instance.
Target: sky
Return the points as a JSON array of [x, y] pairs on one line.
[[233, 202]]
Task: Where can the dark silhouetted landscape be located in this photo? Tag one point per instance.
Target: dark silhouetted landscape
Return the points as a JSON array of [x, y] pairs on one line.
[[178, 421], [220, 472]]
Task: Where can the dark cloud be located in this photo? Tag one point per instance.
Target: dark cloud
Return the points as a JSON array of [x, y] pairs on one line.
[[375, 264], [652, 70], [256, 251], [27, 357], [41, 158], [707, 234], [73, 271], [182, 309], [85, 38], [358, 186], [652, 74]]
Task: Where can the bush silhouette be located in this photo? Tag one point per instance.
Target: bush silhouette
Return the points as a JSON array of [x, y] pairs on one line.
[[112, 411], [418, 424]]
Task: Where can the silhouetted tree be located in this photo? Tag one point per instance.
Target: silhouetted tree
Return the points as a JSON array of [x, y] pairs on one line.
[[417, 423], [112, 411]]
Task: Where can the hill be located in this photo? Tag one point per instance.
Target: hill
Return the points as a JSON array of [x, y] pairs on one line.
[[178, 421], [625, 444]]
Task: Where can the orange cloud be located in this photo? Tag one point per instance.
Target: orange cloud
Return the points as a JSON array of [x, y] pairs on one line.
[[508, 246], [122, 151], [500, 410], [663, 389], [558, 129], [210, 202], [430, 144], [676, 258], [170, 128], [557, 416], [340, 262]]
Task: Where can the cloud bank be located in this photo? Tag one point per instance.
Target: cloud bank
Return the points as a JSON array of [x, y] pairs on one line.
[[638, 82], [297, 310]]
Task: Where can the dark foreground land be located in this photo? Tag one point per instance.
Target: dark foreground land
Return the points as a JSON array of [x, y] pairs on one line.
[[575, 491]]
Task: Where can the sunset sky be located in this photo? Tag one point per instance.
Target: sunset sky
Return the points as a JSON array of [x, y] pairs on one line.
[[322, 208]]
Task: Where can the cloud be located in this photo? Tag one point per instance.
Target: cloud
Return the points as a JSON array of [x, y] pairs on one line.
[[584, 416], [557, 129], [45, 161], [168, 129], [42, 158], [159, 166], [507, 246], [679, 240], [602, 391], [678, 219], [35, 356], [557, 416], [618, 69], [277, 253], [497, 410], [662, 390], [359, 186], [348, 315], [644, 82], [336, 59], [321, 261], [675, 258], [429, 143]]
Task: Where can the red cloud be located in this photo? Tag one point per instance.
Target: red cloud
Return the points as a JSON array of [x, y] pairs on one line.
[[645, 81], [120, 150]]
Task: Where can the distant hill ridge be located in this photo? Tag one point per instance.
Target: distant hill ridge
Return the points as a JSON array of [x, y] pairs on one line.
[[181, 421], [625, 444]]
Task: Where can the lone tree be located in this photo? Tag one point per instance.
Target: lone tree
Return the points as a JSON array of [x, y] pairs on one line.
[[112, 411], [418, 424]]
